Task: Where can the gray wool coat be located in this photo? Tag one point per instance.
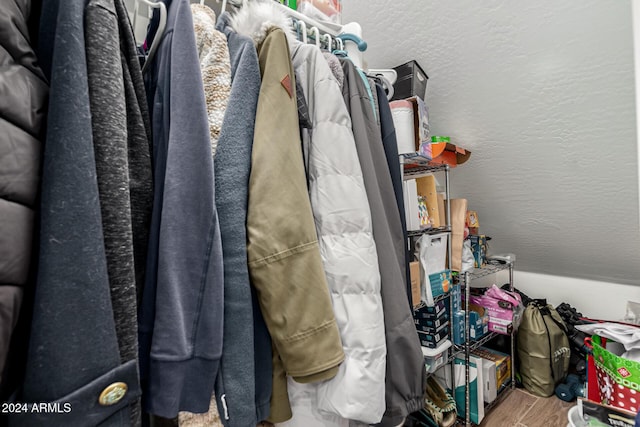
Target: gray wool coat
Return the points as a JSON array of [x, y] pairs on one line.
[[405, 374]]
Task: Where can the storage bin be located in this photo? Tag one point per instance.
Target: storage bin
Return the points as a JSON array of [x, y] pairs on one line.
[[412, 81], [436, 357]]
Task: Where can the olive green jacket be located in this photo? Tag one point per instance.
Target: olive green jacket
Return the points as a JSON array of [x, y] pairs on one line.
[[284, 257]]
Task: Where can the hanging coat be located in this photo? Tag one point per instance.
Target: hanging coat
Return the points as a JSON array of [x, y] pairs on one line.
[[284, 257], [74, 355], [22, 112], [119, 133], [233, 164], [181, 317], [405, 374], [343, 222], [390, 144]]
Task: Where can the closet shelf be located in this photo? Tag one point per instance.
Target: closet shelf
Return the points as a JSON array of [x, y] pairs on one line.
[[433, 230], [475, 344], [486, 270], [412, 170]]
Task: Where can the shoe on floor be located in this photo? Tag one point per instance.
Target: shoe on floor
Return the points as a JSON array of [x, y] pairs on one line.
[[440, 404]]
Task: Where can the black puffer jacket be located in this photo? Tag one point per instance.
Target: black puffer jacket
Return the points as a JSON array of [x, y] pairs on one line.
[[23, 95]]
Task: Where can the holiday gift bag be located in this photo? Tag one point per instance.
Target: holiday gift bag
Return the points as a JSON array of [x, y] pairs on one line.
[[618, 378]]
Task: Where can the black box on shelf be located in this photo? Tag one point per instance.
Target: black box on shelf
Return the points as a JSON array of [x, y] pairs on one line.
[[431, 323], [431, 313], [412, 81], [433, 329], [433, 340]]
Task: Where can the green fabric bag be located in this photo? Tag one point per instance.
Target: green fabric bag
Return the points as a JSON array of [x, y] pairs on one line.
[[543, 348]]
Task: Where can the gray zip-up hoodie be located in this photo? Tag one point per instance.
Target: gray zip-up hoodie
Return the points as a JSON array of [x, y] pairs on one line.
[[182, 309]]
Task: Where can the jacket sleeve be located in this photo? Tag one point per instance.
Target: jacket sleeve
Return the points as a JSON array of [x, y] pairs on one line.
[[187, 332], [284, 257]]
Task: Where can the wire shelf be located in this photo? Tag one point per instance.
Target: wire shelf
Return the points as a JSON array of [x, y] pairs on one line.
[[487, 270], [433, 230], [475, 344], [416, 170]]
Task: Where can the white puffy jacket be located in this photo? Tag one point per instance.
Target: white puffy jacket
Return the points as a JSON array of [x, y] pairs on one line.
[[343, 222]]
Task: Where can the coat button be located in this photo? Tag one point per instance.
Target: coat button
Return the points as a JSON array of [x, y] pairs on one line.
[[112, 394]]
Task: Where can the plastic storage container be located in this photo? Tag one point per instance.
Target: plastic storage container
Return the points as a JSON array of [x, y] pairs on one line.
[[412, 81], [436, 357]]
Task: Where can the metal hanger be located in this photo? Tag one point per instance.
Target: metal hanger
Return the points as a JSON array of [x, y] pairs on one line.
[[161, 26]]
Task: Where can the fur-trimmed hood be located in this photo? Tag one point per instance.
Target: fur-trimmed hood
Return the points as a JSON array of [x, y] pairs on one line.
[[257, 17]]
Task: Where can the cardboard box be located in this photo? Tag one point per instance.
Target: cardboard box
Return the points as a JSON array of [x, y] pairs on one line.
[[442, 212], [479, 249], [458, 327], [445, 153], [502, 361], [432, 340], [422, 153], [432, 330], [411, 210], [478, 322], [489, 378], [434, 312], [427, 188], [414, 270], [440, 284], [501, 313], [458, 385], [456, 294]]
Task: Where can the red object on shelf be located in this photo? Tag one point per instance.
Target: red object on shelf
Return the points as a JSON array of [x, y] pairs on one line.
[[449, 154]]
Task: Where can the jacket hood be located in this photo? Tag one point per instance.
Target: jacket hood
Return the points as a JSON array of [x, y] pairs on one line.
[[256, 18]]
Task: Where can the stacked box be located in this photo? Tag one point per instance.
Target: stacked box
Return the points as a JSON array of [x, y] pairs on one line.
[[433, 340], [502, 361], [432, 323], [434, 312], [438, 326]]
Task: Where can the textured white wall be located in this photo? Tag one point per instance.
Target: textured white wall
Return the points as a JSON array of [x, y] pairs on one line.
[[543, 94]]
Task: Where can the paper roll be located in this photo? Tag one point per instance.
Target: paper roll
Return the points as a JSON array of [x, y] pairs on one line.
[[402, 112]]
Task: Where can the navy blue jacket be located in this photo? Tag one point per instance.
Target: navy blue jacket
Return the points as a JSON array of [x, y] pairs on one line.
[[181, 316]]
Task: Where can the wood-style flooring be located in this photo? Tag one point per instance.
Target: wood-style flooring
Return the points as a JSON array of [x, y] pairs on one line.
[[521, 409]]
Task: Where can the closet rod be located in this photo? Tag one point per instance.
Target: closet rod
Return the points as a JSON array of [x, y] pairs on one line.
[[310, 21]]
